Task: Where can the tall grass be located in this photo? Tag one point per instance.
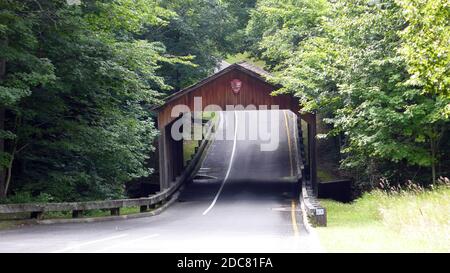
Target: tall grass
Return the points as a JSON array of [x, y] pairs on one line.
[[411, 219]]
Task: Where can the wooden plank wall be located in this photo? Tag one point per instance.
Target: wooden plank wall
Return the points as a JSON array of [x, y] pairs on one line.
[[254, 91]]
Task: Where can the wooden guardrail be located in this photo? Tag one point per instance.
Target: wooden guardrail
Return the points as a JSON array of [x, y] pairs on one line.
[[316, 214], [145, 203]]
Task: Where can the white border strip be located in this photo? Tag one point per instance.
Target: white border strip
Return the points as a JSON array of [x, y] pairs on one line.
[[229, 166]]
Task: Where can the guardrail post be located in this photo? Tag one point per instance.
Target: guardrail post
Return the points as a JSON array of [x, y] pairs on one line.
[[37, 215], [115, 212], [315, 212], [77, 213], [321, 217]]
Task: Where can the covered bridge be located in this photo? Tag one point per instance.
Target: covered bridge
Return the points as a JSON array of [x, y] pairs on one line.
[[238, 84]]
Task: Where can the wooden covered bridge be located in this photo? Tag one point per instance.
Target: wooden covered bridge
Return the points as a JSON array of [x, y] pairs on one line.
[[238, 84]]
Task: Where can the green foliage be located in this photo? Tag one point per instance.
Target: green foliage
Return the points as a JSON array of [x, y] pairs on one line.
[[402, 220], [277, 27], [206, 30], [27, 197], [342, 59], [80, 80], [81, 127], [124, 15], [26, 69], [426, 46]]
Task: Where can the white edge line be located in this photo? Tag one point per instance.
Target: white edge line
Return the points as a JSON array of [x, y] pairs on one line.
[[229, 166], [89, 243], [127, 243]]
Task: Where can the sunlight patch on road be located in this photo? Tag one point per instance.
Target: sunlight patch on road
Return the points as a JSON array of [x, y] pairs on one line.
[[77, 247]]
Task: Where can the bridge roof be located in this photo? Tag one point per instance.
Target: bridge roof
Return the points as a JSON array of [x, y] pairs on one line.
[[245, 67]]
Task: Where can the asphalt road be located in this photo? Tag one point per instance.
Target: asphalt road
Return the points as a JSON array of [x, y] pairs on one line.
[[247, 204]]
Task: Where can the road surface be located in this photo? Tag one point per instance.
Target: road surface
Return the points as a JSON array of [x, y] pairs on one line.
[[246, 204]]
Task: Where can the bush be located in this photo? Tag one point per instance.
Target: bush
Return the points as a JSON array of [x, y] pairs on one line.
[[27, 197]]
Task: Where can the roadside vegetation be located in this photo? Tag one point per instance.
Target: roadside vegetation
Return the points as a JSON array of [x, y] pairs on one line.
[[376, 71], [413, 219], [77, 82]]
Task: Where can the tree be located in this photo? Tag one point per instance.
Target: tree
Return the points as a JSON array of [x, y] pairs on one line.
[[80, 80], [426, 49], [277, 27], [343, 61], [77, 94], [21, 69], [206, 30]]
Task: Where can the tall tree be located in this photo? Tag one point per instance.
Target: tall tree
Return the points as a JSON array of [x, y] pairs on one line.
[[426, 49], [206, 30], [22, 68], [342, 59], [2, 129], [77, 93]]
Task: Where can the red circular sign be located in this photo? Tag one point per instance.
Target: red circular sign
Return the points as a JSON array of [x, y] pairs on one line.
[[236, 85]]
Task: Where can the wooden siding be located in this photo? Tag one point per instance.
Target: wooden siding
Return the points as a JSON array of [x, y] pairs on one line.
[[254, 91]]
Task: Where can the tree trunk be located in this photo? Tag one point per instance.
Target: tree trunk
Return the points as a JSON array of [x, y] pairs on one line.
[[434, 147], [433, 159], [2, 127], [9, 172], [2, 149]]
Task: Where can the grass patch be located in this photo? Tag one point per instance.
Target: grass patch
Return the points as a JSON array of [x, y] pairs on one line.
[[405, 221], [9, 224]]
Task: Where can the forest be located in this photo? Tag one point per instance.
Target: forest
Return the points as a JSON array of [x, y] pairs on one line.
[[78, 79]]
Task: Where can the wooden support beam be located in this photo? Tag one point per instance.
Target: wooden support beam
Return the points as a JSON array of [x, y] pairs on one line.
[[170, 156], [2, 149], [2, 141], [310, 119], [313, 154], [162, 159]]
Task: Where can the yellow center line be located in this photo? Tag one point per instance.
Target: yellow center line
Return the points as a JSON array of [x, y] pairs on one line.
[[289, 142], [293, 203], [294, 218]]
